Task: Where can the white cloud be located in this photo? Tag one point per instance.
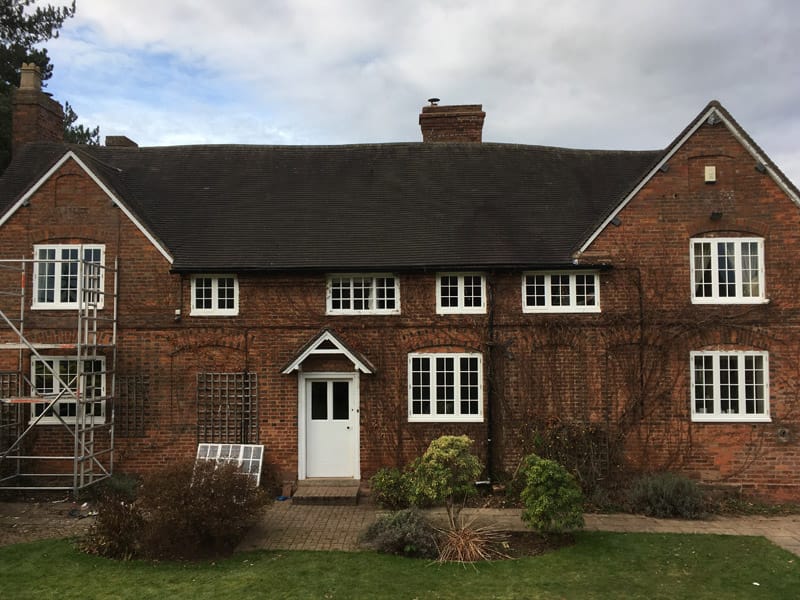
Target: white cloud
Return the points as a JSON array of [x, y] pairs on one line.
[[615, 74]]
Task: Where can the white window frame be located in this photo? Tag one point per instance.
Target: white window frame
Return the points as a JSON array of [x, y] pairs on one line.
[[460, 308], [59, 264], [371, 299], [215, 310], [434, 416], [548, 306], [67, 398], [716, 385], [739, 296]]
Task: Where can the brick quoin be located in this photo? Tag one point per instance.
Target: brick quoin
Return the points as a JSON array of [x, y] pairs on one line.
[[580, 367]]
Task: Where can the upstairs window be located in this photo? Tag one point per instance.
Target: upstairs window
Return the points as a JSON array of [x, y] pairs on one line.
[[460, 293], [445, 387], [57, 376], [215, 295], [363, 294], [727, 270], [62, 271], [730, 386], [561, 292]]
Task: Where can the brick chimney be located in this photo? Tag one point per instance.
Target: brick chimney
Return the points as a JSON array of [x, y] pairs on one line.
[[36, 117], [461, 123], [120, 141]]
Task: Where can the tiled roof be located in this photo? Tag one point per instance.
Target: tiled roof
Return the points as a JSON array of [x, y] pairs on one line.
[[359, 207]]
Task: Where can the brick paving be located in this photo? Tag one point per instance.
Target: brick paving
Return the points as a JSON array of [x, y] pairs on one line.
[[286, 526]]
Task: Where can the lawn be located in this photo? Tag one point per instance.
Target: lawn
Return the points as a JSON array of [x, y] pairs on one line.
[[599, 565]]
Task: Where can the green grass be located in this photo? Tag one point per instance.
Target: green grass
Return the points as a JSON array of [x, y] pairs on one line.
[[600, 565]]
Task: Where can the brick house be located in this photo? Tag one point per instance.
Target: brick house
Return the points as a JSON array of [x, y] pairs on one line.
[[343, 305]]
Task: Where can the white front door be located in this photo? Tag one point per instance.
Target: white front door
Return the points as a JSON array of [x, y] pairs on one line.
[[331, 427]]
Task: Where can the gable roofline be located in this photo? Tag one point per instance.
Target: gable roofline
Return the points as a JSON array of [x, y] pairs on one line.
[[313, 347], [713, 108], [113, 196]]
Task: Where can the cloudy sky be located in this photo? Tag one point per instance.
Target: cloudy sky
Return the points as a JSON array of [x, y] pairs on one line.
[[626, 74]]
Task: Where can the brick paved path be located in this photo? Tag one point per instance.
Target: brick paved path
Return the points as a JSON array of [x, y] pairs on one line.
[[294, 527]]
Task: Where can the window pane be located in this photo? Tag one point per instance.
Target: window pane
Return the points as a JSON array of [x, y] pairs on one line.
[[754, 385], [421, 386], [469, 385], [559, 290], [448, 291], [534, 290], [385, 293], [726, 269], [729, 384], [203, 293], [341, 400], [702, 270], [751, 285], [445, 386], [68, 269], [584, 290], [225, 290], [46, 280], [473, 290], [319, 400], [340, 294], [703, 384]]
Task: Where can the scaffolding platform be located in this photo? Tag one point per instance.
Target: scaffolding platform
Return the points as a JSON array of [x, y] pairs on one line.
[[47, 390]]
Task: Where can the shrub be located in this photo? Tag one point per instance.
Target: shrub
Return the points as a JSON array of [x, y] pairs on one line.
[[391, 488], [466, 543], [667, 495], [117, 530], [552, 498], [445, 473], [405, 533], [196, 510]]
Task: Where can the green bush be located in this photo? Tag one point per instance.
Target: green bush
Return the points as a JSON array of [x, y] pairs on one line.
[[445, 474], [552, 498], [391, 488], [667, 495], [405, 533], [197, 510]]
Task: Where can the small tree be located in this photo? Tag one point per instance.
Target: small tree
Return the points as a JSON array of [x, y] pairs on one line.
[[553, 499], [446, 473]]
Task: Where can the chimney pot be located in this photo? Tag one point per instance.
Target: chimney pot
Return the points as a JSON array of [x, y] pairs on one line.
[[30, 77]]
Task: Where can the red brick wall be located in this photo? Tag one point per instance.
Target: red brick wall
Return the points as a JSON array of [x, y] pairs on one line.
[[651, 246], [581, 367]]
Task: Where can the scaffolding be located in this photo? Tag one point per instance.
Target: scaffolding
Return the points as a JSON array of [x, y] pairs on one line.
[[74, 390]]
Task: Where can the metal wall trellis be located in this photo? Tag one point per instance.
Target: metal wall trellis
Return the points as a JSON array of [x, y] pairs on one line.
[[227, 408]]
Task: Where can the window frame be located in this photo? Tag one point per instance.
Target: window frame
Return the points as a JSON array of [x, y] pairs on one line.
[[214, 311], [460, 308], [66, 399], [373, 296], [715, 297], [434, 416], [58, 278], [716, 415], [548, 307]]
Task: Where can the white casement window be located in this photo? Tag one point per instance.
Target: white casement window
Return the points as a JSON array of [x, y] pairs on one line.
[[561, 292], [445, 387], [215, 295], [62, 379], [62, 271], [727, 270], [363, 294], [730, 386], [460, 293]]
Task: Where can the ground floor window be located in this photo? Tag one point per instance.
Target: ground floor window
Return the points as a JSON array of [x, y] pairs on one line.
[[445, 387], [58, 377], [730, 386]]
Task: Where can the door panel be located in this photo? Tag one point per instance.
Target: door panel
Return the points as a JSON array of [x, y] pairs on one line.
[[330, 428]]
